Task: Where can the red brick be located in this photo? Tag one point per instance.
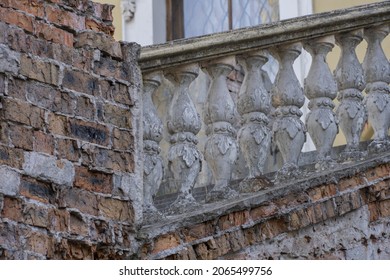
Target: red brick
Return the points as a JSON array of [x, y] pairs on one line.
[[85, 108], [24, 113], [33, 7], [12, 209], [329, 208], [99, 26], [36, 190], [39, 70], [82, 200], [79, 250], [78, 225], [12, 157], [82, 59], [43, 143], [65, 18], [51, 33], [273, 227], [322, 192], [123, 140], [122, 94], [198, 231], [374, 211], [17, 89], [59, 220], [36, 215], [101, 41], [80, 81], [68, 149], [120, 117], [88, 131], [233, 220], [102, 11], [302, 218], [166, 241], [263, 211], [57, 124], [118, 210], [21, 137], [17, 18], [384, 208], [350, 183], [38, 242], [378, 172], [291, 200], [93, 181]]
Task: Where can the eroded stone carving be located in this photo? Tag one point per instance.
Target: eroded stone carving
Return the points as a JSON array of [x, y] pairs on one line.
[[184, 158], [289, 133], [321, 89], [128, 9], [221, 147], [153, 163], [377, 75], [254, 104], [350, 81]]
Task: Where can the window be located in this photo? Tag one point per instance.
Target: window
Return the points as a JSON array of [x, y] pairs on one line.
[[190, 18]]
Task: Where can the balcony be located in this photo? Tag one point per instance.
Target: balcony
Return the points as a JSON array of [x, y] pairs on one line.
[[220, 134]]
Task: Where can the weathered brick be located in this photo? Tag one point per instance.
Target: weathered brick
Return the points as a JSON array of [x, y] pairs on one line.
[[273, 227], [9, 235], [83, 59], [350, 183], [9, 184], [12, 157], [187, 253], [80, 81], [37, 242], [39, 70], [21, 137], [12, 209], [378, 172], [37, 190], [106, 66], [233, 220], [83, 200], [98, 26], [374, 211], [2, 84], [99, 41], [102, 232], [10, 61], [49, 168], [166, 241], [102, 11], [384, 208], [68, 149], [43, 143], [122, 94], [79, 250], [51, 33], [87, 131], [85, 107], [17, 18], [65, 18], [59, 220], [33, 7], [120, 117], [23, 112], [123, 140], [198, 231], [17, 89], [343, 204], [322, 192], [78, 225], [118, 210], [108, 159], [57, 124], [236, 240], [263, 211], [329, 208], [92, 180], [62, 53], [292, 200], [35, 215]]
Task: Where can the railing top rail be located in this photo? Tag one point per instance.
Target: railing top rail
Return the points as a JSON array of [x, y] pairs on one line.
[[184, 51]]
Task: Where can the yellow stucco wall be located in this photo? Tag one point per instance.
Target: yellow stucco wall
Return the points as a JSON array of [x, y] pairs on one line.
[[116, 13]]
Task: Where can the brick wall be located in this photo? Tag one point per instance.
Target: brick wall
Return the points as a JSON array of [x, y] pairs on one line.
[[69, 149], [340, 215]]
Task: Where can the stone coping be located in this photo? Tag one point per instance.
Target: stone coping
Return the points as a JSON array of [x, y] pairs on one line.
[[185, 51], [268, 191]]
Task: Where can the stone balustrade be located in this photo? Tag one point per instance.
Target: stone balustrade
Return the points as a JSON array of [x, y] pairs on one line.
[[227, 130]]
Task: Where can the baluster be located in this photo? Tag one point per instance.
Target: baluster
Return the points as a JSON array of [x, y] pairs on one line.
[[153, 164], [287, 98], [377, 74], [351, 111], [321, 89], [184, 158], [254, 104], [221, 146]]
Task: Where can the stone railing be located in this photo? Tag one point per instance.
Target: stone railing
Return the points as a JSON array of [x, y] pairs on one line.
[[264, 117]]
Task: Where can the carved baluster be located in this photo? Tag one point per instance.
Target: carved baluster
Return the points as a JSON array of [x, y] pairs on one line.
[[184, 158], [377, 74], [254, 104], [321, 89], [350, 81], [221, 148], [287, 97], [153, 164]]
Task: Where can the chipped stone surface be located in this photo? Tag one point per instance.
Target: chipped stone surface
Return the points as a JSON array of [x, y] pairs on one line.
[[9, 60], [9, 184]]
